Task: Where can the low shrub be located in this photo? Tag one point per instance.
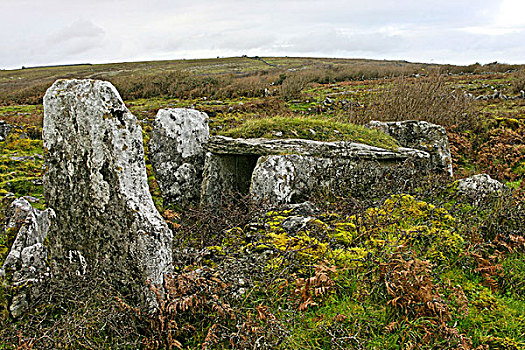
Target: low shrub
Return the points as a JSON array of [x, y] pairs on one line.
[[425, 98]]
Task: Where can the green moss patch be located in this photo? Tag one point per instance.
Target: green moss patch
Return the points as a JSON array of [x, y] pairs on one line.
[[312, 129]]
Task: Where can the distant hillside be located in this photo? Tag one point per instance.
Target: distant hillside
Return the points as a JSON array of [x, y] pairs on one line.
[[155, 78]]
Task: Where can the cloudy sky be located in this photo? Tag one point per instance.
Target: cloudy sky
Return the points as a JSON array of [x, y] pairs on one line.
[[37, 32]]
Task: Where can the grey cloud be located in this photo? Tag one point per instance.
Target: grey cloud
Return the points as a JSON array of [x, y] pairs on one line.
[[332, 41], [80, 29], [124, 30]]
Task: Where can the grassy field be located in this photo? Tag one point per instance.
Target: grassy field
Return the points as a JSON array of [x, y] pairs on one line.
[[401, 266]]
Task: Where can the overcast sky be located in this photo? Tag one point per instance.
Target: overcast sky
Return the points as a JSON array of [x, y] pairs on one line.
[[44, 32]]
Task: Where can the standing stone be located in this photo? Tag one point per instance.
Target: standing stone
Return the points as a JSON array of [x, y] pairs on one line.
[[421, 135], [177, 155], [26, 264], [106, 222]]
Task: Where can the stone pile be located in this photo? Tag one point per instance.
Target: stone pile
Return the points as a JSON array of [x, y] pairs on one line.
[[278, 171], [286, 171]]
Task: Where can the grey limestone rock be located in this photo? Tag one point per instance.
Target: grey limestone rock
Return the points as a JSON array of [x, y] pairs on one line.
[[303, 209], [283, 179], [96, 182], [293, 178], [295, 223], [26, 264], [420, 135], [177, 154], [480, 185], [335, 149]]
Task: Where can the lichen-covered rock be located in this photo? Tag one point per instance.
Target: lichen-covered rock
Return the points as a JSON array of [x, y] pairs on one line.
[[333, 149], [177, 155], [420, 135], [5, 128], [480, 185], [96, 182], [26, 264], [292, 178], [302, 209], [284, 178]]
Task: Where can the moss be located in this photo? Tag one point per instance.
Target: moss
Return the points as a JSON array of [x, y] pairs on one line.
[[313, 129]]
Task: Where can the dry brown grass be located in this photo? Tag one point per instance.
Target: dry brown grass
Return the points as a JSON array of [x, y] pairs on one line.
[[518, 84], [426, 98]]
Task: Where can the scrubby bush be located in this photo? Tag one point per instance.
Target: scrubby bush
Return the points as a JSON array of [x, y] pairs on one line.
[[424, 98]]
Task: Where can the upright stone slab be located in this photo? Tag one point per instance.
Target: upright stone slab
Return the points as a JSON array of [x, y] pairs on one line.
[[421, 135], [285, 178], [26, 264], [177, 155], [96, 182]]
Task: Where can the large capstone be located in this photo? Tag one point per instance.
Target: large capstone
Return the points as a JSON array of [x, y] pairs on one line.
[[95, 180], [26, 264], [177, 155], [421, 135]]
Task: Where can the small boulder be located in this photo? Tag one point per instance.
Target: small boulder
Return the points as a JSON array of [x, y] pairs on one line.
[[480, 185], [5, 128], [177, 155]]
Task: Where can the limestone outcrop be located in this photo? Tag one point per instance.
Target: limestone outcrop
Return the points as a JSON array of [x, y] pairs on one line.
[[26, 264], [420, 135], [96, 182], [177, 154]]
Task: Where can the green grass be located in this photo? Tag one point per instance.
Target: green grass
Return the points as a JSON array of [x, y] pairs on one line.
[[313, 129], [21, 167]]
